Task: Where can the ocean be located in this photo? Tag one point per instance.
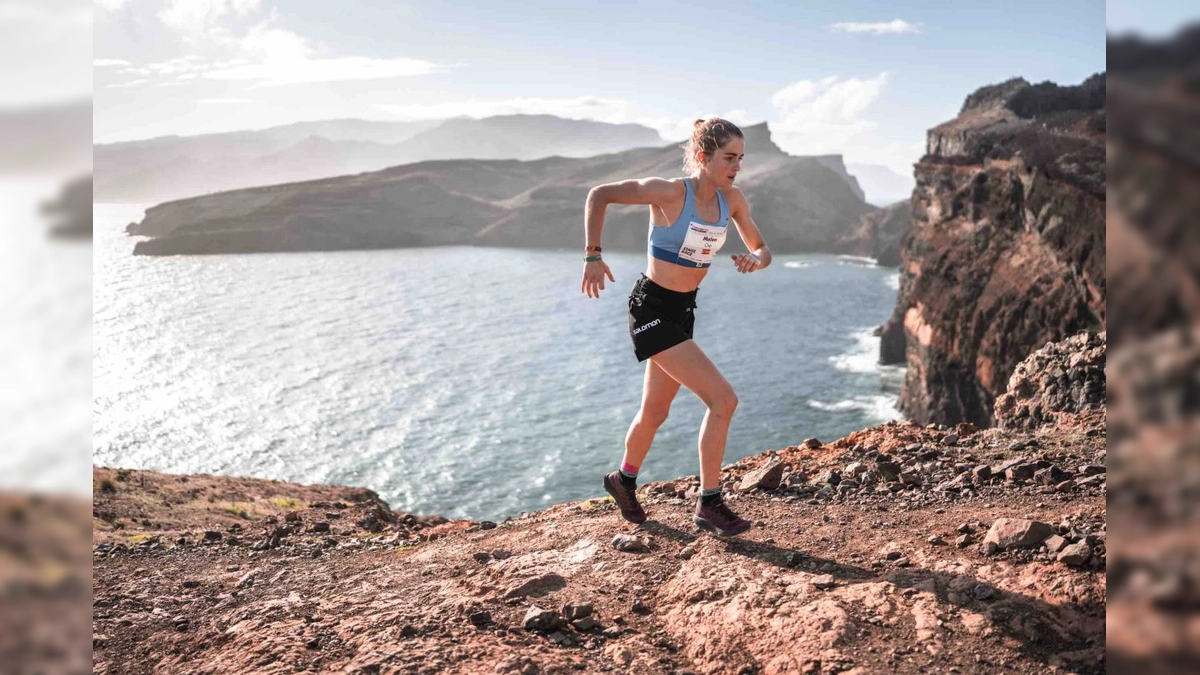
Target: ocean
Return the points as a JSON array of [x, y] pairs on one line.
[[469, 382], [45, 346]]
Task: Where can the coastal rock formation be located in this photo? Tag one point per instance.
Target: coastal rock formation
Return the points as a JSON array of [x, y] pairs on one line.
[[799, 204], [872, 553], [1061, 377], [877, 235], [1006, 249], [71, 211]]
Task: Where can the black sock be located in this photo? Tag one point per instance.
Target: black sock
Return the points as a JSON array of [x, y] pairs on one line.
[[626, 479], [708, 498]]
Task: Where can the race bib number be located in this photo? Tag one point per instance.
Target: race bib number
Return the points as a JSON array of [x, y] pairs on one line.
[[701, 244]]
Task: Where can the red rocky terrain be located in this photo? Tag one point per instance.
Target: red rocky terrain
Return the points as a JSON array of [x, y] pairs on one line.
[[898, 549]]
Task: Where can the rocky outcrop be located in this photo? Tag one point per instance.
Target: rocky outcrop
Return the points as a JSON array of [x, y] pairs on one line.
[[1061, 377], [836, 164], [872, 553], [71, 211], [799, 204], [877, 235], [1006, 248]]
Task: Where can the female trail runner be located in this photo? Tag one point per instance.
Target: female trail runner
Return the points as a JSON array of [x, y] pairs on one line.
[[689, 218]]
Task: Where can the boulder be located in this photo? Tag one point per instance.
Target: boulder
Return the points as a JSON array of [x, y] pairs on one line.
[[1007, 533]]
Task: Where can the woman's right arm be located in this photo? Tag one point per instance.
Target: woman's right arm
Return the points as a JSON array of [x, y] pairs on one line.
[[641, 191], [637, 191]]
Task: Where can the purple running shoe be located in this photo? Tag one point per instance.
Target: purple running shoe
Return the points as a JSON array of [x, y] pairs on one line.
[[626, 499], [718, 520]]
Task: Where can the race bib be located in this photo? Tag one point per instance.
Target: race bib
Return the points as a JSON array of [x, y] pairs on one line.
[[701, 244]]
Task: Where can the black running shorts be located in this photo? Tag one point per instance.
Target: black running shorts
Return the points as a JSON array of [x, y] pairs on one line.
[[659, 318]]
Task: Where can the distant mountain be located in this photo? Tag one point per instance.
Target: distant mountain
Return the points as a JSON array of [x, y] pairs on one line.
[[527, 137], [49, 139], [835, 164], [174, 167], [799, 204], [882, 185], [350, 129]]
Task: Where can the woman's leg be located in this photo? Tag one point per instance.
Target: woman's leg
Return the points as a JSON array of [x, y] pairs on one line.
[[687, 364], [658, 391]]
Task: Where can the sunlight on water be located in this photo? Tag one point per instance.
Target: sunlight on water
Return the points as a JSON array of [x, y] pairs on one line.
[[478, 390]]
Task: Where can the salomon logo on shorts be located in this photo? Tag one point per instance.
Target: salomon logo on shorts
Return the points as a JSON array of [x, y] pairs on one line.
[[652, 324]]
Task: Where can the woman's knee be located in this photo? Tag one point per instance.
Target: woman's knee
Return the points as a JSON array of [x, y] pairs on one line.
[[723, 403], [653, 417]]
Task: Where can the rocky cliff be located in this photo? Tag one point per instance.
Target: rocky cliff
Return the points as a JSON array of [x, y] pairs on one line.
[[1006, 248], [901, 549], [878, 234], [799, 204]]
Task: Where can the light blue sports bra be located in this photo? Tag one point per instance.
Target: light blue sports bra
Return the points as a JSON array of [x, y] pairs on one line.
[[689, 241]]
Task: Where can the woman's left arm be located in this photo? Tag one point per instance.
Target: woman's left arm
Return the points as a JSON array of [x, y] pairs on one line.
[[760, 255]]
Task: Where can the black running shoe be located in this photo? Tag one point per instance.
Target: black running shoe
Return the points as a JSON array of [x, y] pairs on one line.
[[626, 499], [718, 520]]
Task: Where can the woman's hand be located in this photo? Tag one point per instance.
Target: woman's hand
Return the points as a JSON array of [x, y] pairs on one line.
[[746, 262], [593, 278]]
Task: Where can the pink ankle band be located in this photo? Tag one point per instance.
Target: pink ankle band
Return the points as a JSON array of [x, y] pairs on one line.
[[628, 468]]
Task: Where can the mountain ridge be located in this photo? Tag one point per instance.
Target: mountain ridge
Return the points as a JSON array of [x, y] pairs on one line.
[[176, 167], [799, 203]]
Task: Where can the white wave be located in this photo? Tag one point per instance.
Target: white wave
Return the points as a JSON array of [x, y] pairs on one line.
[[893, 281], [862, 357], [840, 405], [857, 261], [878, 408], [796, 264]]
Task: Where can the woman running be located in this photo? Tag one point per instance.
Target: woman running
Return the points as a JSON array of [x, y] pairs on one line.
[[689, 218]]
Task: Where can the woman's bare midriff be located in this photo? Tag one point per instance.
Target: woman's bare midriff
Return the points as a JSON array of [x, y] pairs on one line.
[[675, 277]]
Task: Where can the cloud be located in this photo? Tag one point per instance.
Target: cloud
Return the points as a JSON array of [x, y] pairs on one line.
[[266, 54], [616, 111], [303, 71], [739, 117], [825, 116], [894, 27], [28, 11], [104, 63], [829, 101], [110, 5], [185, 67], [225, 101], [201, 17], [125, 85], [828, 116]]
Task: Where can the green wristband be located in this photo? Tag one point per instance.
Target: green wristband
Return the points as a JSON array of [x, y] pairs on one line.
[[592, 258]]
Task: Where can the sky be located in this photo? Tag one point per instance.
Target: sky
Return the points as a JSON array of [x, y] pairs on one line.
[[865, 79]]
